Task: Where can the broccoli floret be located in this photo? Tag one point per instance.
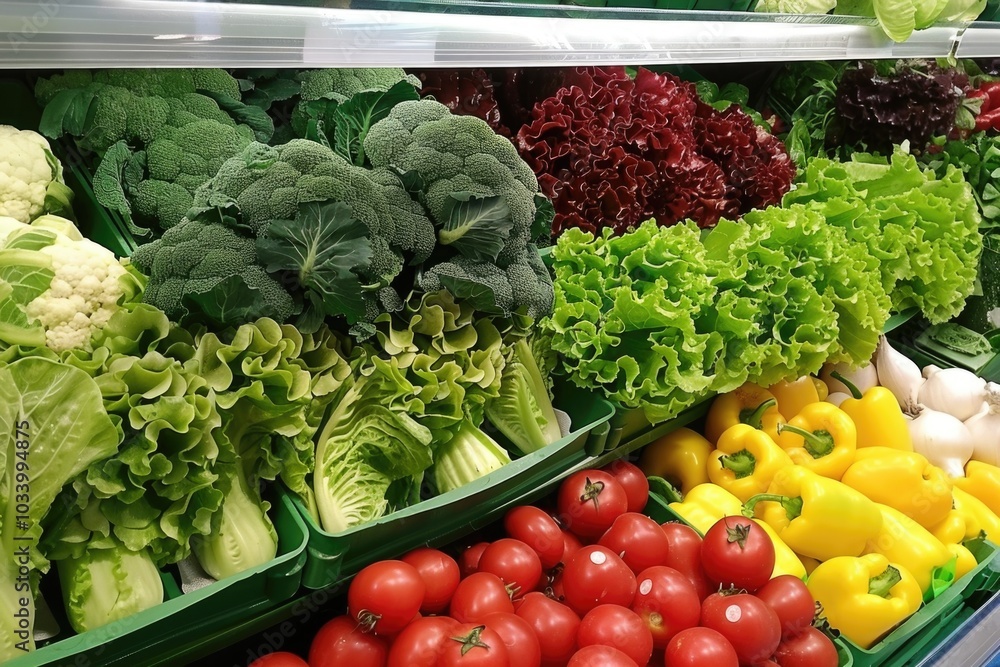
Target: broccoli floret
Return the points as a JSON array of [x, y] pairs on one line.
[[269, 183], [206, 270], [481, 197], [46, 89], [342, 84], [160, 200], [415, 232], [192, 154]]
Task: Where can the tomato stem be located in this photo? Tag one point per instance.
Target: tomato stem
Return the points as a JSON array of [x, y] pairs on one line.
[[472, 640], [367, 620], [592, 492], [739, 534], [755, 416]]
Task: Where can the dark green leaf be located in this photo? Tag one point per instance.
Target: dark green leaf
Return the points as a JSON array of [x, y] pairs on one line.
[[413, 182], [325, 248], [230, 301], [476, 294], [66, 113], [354, 117], [545, 213], [476, 226], [252, 116]]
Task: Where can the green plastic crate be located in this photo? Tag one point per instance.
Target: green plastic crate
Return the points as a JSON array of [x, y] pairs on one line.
[[164, 634], [445, 518]]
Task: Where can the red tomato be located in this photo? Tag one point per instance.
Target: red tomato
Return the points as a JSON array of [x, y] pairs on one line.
[[523, 647], [554, 624], [700, 647], [341, 642], [589, 502], [571, 544], [515, 563], [420, 643], [748, 623], [596, 575], [638, 540], [538, 530], [600, 656], [809, 648], [468, 561], [684, 555], [667, 602], [618, 627], [791, 601], [279, 659], [480, 594], [633, 481], [737, 552], [440, 574], [473, 645], [385, 596]]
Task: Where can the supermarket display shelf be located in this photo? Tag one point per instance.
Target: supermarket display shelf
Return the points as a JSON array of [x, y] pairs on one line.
[[133, 33]]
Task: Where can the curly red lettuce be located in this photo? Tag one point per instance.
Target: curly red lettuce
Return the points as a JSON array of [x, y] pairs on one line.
[[612, 151]]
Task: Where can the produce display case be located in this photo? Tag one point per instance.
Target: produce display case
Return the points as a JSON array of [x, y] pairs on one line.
[[462, 33]]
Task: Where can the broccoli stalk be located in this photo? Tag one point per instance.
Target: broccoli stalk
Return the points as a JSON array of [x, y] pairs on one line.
[[523, 411]]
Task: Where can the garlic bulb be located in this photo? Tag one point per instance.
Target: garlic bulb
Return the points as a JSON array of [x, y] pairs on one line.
[[941, 439], [985, 428], [956, 391], [864, 378], [837, 398], [897, 374]]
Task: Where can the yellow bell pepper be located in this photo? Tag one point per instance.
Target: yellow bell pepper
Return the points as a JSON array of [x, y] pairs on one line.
[[815, 516], [956, 528], [864, 597], [822, 391], [809, 563], [983, 482], [976, 512], [965, 562], [745, 461], [903, 480], [877, 417], [822, 438], [794, 395], [748, 404], [905, 542], [680, 457], [707, 503]]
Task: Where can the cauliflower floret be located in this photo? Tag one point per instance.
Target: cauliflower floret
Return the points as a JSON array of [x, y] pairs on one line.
[[27, 169], [82, 296]]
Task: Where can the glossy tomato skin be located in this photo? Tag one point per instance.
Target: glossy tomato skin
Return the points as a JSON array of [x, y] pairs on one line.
[[618, 627], [440, 574], [523, 647], [517, 565], [468, 560], [809, 648], [420, 643], [667, 602], [748, 623], [638, 539], [633, 480], [341, 642], [385, 596], [555, 625], [589, 501], [737, 552], [482, 647], [791, 600], [538, 530], [700, 647], [480, 594], [279, 659], [601, 656], [684, 555], [571, 544], [596, 575]]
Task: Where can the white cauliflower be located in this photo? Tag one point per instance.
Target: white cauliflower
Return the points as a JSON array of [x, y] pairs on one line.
[[87, 283], [29, 173]]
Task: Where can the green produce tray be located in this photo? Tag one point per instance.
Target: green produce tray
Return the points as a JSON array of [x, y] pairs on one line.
[[630, 428], [445, 518], [158, 635], [94, 221]]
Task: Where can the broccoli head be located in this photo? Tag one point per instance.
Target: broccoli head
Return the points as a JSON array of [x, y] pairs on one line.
[[205, 271], [343, 83]]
